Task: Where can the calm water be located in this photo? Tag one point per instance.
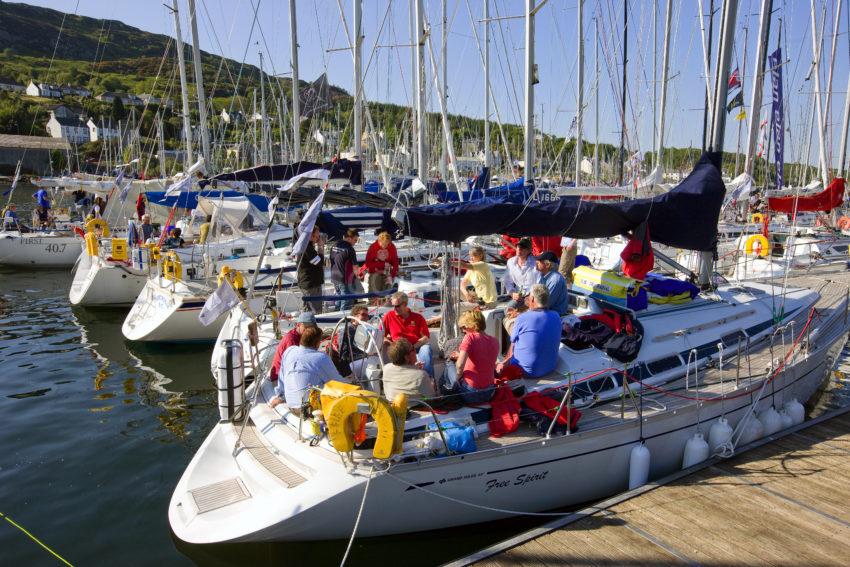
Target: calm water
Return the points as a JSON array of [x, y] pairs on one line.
[[98, 431]]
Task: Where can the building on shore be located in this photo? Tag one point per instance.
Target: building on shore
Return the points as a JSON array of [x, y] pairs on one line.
[[33, 152], [11, 85], [72, 128]]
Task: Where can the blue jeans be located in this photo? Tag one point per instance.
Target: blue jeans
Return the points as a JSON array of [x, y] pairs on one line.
[[344, 289], [470, 396], [424, 356]]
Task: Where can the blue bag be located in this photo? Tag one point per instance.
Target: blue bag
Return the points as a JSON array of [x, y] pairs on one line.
[[459, 438]]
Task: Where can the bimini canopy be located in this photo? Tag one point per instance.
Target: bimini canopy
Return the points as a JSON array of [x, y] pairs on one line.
[[684, 217], [351, 170], [828, 199], [238, 212]]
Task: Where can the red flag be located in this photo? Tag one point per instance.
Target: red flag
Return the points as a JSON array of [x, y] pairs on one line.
[[734, 79]]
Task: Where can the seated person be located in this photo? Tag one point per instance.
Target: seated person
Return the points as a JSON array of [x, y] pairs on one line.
[[536, 337], [479, 277], [353, 358], [174, 240], [514, 309], [291, 339], [474, 362], [547, 264], [303, 367], [404, 374], [402, 322], [10, 218]]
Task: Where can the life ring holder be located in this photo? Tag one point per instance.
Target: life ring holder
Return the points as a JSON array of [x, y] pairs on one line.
[[757, 245], [98, 223], [757, 218]]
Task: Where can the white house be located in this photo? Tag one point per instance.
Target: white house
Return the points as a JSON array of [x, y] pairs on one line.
[[234, 117], [148, 98], [75, 91], [7, 84], [101, 133], [126, 98], [43, 90], [72, 129]]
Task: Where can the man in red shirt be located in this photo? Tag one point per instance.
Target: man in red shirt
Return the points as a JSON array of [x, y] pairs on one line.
[[401, 322], [292, 338]]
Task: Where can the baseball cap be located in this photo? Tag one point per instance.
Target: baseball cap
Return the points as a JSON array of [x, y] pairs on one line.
[[548, 255], [306, 318]]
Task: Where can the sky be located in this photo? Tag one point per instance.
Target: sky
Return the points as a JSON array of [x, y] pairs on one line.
[[229, 28]]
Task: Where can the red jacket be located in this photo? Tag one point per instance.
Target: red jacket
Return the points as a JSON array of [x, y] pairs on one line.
[[373, 264], [540, 244]]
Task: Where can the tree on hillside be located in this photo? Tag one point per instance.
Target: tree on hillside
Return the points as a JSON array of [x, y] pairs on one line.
[[118, 110]]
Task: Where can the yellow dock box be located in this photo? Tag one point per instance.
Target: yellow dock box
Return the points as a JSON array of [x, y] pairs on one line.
[[119, 249]]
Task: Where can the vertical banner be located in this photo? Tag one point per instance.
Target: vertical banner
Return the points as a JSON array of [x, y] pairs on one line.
[[775, 62]]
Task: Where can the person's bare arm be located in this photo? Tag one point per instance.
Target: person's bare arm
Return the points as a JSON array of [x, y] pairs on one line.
[[461, 361]]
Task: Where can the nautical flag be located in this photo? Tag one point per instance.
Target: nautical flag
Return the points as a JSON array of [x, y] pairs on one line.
[[184, 184], [734, 79], [316, 97], [119, 178], [125, 190], [737, 100], [305, 227], [762, 137], [319, 137], [219, 302], [775, 63], [741, 115]]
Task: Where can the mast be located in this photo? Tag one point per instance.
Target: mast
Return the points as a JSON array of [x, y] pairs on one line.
[[529, 91], [707, 64], [580, 107], [199, 82], [842, 153], [421, 148], [837, 16], [296, 95], [487, 83], [816, 55], [718, 120], [184, 89], [444, 92], [596, 104], [414, 100], [665, 71], [758, 84], [264, 146], [654, 78], [743, 73], [358, 80], [623, 100]]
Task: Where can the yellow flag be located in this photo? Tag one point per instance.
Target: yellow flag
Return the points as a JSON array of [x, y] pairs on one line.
[[741, 115]]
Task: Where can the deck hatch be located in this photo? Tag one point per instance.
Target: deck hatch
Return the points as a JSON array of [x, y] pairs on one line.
[[219, 494]]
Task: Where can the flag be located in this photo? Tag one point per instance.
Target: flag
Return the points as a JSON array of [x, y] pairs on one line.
[[218, 303], [319, 137], [734, 79], [737, 100], [125, 190], [775, 64], [762, 137], [184, 184], [299, 179], [305, 227], [741, 115], [119, 178], [316, 97]]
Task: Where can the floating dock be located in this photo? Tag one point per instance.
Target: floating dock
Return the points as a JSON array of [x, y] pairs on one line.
[[783, 501]]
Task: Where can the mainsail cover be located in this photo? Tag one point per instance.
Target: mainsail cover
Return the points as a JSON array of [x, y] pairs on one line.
[[684, 217], [828, 199], [340, 169]]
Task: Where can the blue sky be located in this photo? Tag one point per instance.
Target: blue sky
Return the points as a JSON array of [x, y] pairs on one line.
[[225, 27]]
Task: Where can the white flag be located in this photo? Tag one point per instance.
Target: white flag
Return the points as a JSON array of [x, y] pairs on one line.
[[184, 184], [125, 190], [305, 228], [320, 173], [319, 137], [219, 302]]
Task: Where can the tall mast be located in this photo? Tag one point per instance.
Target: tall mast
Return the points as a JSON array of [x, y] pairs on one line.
[[529, 91], [718, 120], [580, 107], [596, 103], [421, 149], [487, 83], [665, 70], [758, 84], [654, 78], [828, 113], [620, 171], [358, 80], [264, 146], [707, 64], [447, 132], [816, 55], [842, 153], [743, 73], [444, 89], [414, 100], [184, 89], [296, 95], [199, 82]]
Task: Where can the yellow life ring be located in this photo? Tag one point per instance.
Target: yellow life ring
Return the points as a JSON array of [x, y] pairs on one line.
[[154, 253], [235, 277], [98, 223], [757, 218], [758, 245], [341, 407], [172, 268]]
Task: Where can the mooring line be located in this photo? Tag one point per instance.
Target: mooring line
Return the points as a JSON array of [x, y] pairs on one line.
[[35, 539]]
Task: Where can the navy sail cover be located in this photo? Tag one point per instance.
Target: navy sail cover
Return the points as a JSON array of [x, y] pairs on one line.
[[684, 217], [340, 169]]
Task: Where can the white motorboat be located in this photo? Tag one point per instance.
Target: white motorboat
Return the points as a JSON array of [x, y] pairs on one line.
[[267, 479], [50, 249]]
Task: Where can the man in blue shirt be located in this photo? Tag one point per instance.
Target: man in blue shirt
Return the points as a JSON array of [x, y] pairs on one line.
[[536, 337], [558, 300], [41, 197], [303, 367]]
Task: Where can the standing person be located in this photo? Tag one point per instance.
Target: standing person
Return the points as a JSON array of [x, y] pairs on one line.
[[474, 363], [147, 229], [343, 267], [303, 367], [569, 249], [381, 262], [293, 338], [41, 199], [99, 207], [311, 270], [520, 272], [536, 337], [479, 277], [140, 206], [81, 202], [558, 300], [402, 322]]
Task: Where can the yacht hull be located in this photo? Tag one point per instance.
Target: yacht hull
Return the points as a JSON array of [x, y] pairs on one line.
[[163, 314], [98, 283], [38, 250]]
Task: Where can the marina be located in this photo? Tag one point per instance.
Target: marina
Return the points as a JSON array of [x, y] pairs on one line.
[[480, 292]]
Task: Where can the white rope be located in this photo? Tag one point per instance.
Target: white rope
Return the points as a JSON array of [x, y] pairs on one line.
[[359, 515]]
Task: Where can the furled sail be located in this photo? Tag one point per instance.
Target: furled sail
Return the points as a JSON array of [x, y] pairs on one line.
[[340, 169], [828, 199], [684, 217]]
